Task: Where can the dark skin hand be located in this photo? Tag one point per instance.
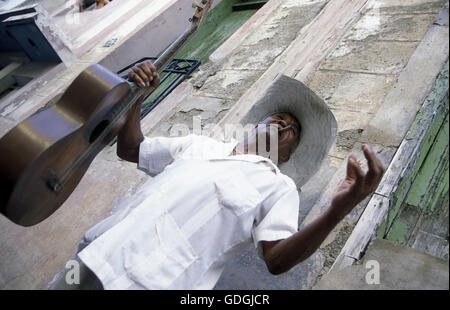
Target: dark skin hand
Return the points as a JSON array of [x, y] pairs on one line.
[[280, 255]]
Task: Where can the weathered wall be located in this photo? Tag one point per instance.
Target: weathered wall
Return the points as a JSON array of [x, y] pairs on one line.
[[154, 37]]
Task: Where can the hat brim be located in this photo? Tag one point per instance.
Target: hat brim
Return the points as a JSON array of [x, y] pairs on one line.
[[318, 124]]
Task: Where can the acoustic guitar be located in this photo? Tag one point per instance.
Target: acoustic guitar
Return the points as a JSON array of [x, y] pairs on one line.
[[43, 159]]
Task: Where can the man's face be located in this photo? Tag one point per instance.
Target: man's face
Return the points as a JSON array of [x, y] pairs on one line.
[[288, 133], [287, 129]]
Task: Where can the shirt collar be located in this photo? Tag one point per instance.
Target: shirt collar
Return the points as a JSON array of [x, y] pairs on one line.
[[251, 158]]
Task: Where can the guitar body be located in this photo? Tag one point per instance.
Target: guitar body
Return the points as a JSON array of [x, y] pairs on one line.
[[44, 158], [39, 150]]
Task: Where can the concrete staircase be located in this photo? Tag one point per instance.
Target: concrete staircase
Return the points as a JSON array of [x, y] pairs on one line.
[[372, 61], [363, 58], [362, 79]]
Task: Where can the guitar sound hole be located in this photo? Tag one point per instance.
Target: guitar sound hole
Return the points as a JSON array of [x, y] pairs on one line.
[[98, 131]]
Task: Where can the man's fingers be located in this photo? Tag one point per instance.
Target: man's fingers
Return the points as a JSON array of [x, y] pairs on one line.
[[152, 67], [136, 79], [351, 174], [147, 70], [142, 75], [152, 73], [354, 170], [376, 169], [357, 168], [156, 80], [155, 73], [375, 165]]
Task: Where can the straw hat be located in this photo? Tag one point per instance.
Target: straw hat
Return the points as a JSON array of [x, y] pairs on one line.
[[318, 125]]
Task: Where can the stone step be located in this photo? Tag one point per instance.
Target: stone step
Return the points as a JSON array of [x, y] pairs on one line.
[[387, 266], [395, 109], [387, 215]]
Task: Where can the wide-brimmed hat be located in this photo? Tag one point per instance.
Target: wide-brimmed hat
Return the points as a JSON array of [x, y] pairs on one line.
[[318, 125]]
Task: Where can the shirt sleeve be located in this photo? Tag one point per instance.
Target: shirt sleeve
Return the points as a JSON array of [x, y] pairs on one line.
[[157, 153], [279, 222]]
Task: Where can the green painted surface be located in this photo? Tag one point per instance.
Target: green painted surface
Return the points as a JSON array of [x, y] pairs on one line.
[[441, 85], [217, 27], [381, 231], [219, 24], [399, 232], [404, 225], [431, 182], [425, 205], [426, 184]]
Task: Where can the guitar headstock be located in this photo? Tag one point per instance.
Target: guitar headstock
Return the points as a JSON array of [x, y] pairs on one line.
[[200, 10]]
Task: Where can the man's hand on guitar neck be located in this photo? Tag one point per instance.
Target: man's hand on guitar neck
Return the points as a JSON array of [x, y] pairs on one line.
[[130, 136], [145, 74]]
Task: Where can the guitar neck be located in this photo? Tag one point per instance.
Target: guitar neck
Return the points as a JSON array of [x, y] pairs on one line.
[[166, 57], [126, 103], [197, 19]]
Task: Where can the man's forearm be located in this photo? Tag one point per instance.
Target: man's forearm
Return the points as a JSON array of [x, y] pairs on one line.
[[145, 75], [289, 252], [130, 136], [280, 256]]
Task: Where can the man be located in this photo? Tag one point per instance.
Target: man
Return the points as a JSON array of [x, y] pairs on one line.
[[209, 200]]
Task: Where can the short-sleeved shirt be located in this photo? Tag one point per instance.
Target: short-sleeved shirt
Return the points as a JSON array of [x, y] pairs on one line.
[[202, 206]]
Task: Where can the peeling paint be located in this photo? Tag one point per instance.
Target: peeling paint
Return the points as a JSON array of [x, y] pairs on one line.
[[431, 182], [398, 232], [369, 25], [419, 204]]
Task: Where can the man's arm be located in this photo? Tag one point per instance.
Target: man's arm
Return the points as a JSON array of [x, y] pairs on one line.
[[130, 136], [101, 3], [280, 256]]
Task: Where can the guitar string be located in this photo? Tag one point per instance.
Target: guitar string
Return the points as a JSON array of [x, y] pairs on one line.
[[115, 116]]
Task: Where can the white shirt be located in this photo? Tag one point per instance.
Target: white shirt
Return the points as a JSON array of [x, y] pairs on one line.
[[180, 228]]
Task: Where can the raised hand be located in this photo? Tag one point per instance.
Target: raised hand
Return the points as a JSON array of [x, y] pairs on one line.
[[357, 185], [145, 74]]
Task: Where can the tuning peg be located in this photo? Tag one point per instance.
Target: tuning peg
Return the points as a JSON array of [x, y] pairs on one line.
[[195, 5]]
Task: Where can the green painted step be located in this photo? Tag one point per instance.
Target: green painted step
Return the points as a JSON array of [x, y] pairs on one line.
[[431, 183], [418, 215]]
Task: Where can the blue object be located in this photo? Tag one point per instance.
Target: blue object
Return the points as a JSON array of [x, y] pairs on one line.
[[7, 42], [31, 40]]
